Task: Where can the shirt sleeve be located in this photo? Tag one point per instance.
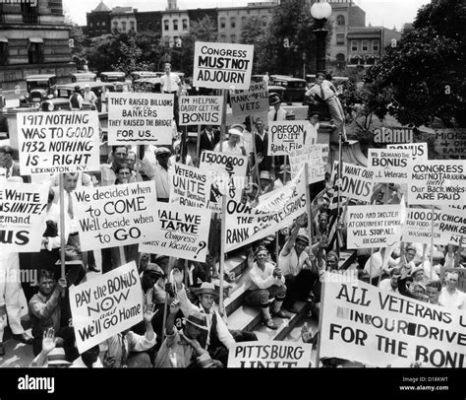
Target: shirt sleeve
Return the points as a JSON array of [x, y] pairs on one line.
[[223, 333], [43, 310], [140, 343], [260, 282], [185, 304]]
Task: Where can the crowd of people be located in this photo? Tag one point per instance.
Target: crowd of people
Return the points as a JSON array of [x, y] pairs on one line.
[[183, 325]]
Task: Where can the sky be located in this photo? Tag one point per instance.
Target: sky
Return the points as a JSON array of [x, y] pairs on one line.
[[388, 13]]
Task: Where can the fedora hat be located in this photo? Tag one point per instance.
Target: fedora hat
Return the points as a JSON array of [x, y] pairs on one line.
[[57, 357], [206, 288], [274, 99]]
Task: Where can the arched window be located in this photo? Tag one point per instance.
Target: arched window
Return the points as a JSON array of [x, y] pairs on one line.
[[233, 23], [340, 20], [175, 24], [166, 25], [223, 23]]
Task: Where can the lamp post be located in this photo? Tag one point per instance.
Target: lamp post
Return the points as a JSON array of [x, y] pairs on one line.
[[321, 12]]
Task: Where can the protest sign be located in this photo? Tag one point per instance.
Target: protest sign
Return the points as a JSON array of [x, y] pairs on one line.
[[314, 157], [201, 110], [397, 134], [189, 186], [418, 226], [437, 182], [245, 225], [450, 143], [357, 182], [227, 171], [106, 305], [22, 213], [269, 354], [374, 226], [140, 118], [117, 215], [379, 328], [287, 136], [182, 232], [389, 165], [253, 101], [61, 141], [418, 150], [452, 226], [222, 65]]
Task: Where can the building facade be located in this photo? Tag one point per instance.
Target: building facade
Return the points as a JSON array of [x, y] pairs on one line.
[[366, 45], [123, 20], [98, 21], [33, 40]]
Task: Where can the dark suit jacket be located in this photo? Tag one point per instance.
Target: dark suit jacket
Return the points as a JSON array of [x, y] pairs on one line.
[[206, 144], [4, 127]]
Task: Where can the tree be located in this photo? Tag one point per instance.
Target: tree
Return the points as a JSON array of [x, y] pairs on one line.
[[290, 35], [253, 32], [423, 76]]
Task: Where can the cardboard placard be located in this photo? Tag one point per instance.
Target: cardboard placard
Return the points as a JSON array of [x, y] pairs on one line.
[[418, 150], [62, 141], [450, 143], [379, 328], [22, 213], [201, 110], [288, 136], [222, 65], [389, 166], [245, 225], [437, 183], [269, 354], [182, 232], [106, 305], [253, 101], [140, 118], [357, 182], [418, 226], [189, 186], [314, 157], [116, 215], [374, 226]]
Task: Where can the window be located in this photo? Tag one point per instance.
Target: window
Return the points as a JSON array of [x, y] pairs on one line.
[[166, 25], [354, 45], [185, 24], [103, 23], [233, 23], [340, 39], [133, 25], [123, 25], [340, 20], [365, 45], [30, 14], [3, 52], [222, 23], [36, 53], [91, 24], [115, 25], [223, 37], [175, 24], [375, 45], [233, 38]]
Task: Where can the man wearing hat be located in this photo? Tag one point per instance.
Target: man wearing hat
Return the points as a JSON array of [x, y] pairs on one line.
[[277, 113], [219, 339], [261, 141], [76, 100], [266, 182], [391, 284], [233, 144], [183, 349], [90, 97], [162, 180], [208, 139], [294, 261]]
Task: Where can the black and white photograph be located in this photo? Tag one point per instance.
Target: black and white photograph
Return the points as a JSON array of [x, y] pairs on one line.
[[260, 185]]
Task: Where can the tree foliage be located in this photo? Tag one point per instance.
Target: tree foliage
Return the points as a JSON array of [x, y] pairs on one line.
[[423, 77]]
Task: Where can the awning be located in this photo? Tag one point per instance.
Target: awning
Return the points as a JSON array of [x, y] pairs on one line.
[[36, 40], [3, 39]]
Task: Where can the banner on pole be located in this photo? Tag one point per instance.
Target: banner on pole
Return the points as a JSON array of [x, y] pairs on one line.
[[117, 215], [140, 118], [269, 354], [255, 100], [357, 182], [22, 213], [418, 226], [200, 110], [378, 328], [222, 65], [389, 165], [314, 157], [288, 136], [437, 183], [106, 305], [418, 150], [245, 225], [182, 232], [374, 226], [450, 143], [189, 186], [58, 142]]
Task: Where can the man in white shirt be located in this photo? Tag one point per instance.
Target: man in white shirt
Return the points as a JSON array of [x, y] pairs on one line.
[[161, 178], [391, 284], [90, 97], [375, 264], [277, 113], [450, 296], [171, 83], [232, 145]]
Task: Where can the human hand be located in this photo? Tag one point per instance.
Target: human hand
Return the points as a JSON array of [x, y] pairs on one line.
[[178, 278], [174, 307], [49, 341], [62, 285], [195, 345], [277, 272], [149, 312], [108, 361]]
